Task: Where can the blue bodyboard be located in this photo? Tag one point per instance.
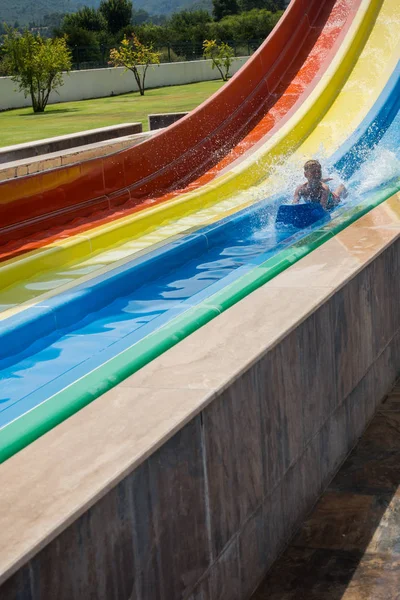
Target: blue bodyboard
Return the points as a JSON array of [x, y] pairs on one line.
[[300, 215]]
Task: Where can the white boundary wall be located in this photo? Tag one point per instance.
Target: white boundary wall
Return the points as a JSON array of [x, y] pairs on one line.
[[98, 83]]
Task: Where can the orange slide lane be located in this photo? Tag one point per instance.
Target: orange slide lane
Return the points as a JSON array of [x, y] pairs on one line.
[[297, 81], [295, 86]]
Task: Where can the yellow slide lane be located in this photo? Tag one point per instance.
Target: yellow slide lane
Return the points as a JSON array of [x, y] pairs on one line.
[[371, 38]]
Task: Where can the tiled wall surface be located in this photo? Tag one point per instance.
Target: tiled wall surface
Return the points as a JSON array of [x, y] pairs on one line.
[[207, 513], [347, 548]]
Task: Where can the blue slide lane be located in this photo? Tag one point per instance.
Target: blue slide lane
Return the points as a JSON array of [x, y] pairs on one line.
[[45, 348], [357, 147]]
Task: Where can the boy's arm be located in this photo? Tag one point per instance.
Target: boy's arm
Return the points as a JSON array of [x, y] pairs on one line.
[[296, 197], [325, 197]]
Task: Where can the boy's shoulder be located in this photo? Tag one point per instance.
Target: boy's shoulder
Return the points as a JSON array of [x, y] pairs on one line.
[[302, 187]]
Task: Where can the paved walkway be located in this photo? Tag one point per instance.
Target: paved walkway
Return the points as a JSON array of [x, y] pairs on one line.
[[349, 548]]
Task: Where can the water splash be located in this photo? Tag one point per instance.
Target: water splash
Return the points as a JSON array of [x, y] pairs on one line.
[[382, 166]]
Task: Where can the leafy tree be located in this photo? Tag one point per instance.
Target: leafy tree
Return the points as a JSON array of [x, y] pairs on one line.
[[4, 67], [158, 19], [86, 18], [271, 5], [149, 33], [221, 56], [53, 20], [135, 57], [83, 44], [117, 13], [89, 33], [36, 64], [252, 25], [140, 16], [189, 25], [223, 8], [185, 31]]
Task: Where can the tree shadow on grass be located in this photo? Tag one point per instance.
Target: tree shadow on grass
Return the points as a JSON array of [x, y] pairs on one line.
[[51, 112]]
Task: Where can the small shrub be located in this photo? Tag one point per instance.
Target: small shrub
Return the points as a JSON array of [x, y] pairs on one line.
[[132, 54], [36, 64], [221, 55]]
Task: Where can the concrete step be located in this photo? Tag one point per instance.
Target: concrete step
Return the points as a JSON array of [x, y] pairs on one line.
[[64, 142], [53, 160]]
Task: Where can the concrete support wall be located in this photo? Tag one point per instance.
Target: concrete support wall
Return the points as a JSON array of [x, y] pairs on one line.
[[206, 514], [98, 83]]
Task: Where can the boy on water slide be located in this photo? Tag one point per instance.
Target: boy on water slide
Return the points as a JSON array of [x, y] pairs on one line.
[[316, 190]]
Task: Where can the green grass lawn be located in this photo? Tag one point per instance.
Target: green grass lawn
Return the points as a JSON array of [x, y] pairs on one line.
[[22, 125]]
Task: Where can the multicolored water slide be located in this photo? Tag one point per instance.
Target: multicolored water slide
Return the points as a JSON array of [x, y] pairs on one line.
[[255, 102], [118, 240], [95, 333]]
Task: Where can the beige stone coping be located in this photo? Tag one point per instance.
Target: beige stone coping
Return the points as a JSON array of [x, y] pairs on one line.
[[69, 140], [44, 162], [50, 483]]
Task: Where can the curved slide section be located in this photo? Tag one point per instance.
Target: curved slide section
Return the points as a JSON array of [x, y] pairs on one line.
[[256, 100], [60, 265], [82, 382], [166, 259], [49, 379]]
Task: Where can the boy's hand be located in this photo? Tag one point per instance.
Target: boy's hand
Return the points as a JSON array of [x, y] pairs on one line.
[[327, 179]]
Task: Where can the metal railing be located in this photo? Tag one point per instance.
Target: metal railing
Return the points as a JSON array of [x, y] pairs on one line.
[[97, 57]]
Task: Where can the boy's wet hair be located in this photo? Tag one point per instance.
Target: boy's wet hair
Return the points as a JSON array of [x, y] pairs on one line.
[[313, 163]]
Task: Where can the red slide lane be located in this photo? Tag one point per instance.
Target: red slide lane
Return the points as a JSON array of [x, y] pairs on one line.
[[44, 196]]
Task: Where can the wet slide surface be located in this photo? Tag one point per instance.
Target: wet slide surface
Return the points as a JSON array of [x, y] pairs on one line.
[[55, 344], [66, 264], [100, 323], [289, 82]]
